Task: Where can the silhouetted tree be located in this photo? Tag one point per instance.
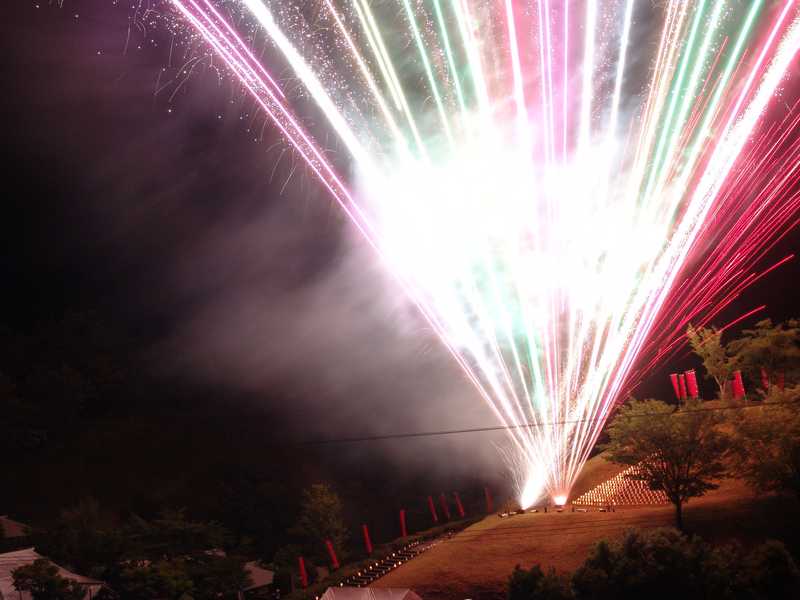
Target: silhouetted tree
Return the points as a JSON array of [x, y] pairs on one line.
[[172, 534], [774, 348], [167, 579], [708, 345], [767, 443], [85, 539], [679, 451], [535, 584], [321, 519], [42, 580], [769, 572], [663, 564]]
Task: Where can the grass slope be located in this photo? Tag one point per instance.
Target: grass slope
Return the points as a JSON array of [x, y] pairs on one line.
[[477, 562]]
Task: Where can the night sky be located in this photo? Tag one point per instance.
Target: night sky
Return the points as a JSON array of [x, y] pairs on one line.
[[170, 215]]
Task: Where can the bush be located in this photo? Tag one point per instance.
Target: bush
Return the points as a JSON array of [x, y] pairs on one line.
[[166, 579], [769, 572], [535, 584], [661, 563], [665, 564], [42, 580]]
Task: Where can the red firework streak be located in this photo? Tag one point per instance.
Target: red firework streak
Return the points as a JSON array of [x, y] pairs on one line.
[[738, 385], [756, 207], [367, 541], [746, 215], [443, 504], [303, 573], [332, 554], [673, 377], [459, 506], [432, 508], [488, 496], [403, 530], [691, 384]]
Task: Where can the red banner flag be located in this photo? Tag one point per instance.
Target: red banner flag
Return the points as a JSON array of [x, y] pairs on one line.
[[459, 506], [682, 382], [367, 541], [488, 499], [431, 506], [445, 508], [332, 554], [691, 384], [764, 379], [781, 380], [738, 385], [673, 377], [303, 573], [403, 530]]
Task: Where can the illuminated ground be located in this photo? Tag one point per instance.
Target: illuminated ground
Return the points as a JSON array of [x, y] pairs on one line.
[[476, 563]]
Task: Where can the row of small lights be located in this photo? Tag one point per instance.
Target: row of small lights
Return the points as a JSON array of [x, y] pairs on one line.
[[393, 565]]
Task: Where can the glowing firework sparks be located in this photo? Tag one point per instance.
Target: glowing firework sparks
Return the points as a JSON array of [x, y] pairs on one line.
[[489, 173]]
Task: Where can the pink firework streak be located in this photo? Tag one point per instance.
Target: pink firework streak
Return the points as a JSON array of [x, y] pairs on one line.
[[558, 232]]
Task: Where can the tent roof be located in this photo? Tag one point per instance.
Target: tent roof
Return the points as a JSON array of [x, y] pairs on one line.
[[12, 528], [12, 560], [260, 577], [369, 593]]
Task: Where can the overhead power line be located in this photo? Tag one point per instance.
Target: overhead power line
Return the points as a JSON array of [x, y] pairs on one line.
[[528, 425]]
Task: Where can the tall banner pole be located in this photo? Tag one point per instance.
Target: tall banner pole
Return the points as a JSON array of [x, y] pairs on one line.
[[459, 506], [432, 508], [673, 377], [738, 385], [691, 384], [332, 554], [303, 573], [367, 541], [445, 508]]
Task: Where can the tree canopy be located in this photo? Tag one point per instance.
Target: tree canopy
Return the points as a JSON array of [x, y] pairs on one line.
[[664, 564], [42, 580], [321, 518], [773, 348], [767, 443], [679, 451], [718, 362]]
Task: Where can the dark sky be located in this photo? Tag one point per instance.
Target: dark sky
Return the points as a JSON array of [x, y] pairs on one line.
[[171, 215]]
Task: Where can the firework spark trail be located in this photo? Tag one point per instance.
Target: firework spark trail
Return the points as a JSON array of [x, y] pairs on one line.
[[490, 177]]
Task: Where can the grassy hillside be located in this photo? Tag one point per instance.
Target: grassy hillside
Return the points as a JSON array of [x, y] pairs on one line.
[[477, 562]]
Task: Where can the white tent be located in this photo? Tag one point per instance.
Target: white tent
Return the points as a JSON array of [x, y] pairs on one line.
[[13, 560], [369, 593]]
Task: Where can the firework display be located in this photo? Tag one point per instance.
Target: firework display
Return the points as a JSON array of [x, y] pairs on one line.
[[561, 187]]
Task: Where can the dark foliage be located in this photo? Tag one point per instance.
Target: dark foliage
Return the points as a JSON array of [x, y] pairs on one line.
[[767, 443], [664, 564], [535, 584], [42, 580]]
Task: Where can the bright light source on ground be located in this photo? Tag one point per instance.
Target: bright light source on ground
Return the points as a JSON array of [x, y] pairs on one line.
[[531, 492], [560, 500]]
